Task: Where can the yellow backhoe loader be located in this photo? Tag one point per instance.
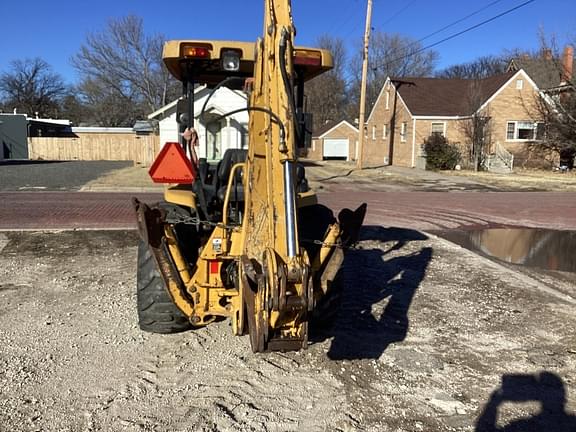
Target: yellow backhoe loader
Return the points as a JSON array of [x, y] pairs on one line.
[[243, 238]]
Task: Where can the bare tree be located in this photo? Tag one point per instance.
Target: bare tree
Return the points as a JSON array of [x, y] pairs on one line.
[[73, 108], [104, 106], [326, 94], [558, 111], [391, 55], [477, 129], [557, 105], [482, 67], [129, 63], [32, 87]]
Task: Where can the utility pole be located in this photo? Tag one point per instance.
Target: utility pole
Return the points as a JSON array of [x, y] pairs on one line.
[[363, 85]]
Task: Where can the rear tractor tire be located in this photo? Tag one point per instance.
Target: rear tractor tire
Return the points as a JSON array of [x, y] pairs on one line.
[[157, 313]]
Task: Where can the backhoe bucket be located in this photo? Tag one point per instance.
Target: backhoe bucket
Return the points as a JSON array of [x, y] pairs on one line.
[[350, 224]]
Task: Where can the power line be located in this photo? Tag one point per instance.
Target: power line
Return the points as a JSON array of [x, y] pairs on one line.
[[348, 15], [399, 12], [355, 26], [452, 24], [476, 12], [457, 34], [388, 20]]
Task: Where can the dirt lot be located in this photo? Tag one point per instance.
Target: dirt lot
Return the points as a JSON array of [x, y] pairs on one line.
[[430, 337], [425, 337]]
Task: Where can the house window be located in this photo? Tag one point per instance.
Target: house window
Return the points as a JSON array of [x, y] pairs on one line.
[[388, 99], [403, 132], [244, 136], [214, 131], [519, 84], [385, 131], [510, 130], [438, 128], [373, 132], [524, 131]]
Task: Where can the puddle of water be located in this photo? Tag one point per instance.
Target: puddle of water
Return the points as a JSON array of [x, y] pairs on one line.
[[539, 248]]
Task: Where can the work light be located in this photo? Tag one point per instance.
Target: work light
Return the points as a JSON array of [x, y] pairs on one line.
[[230, 61]]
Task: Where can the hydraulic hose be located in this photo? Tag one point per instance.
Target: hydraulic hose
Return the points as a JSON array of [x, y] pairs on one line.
[[287, 84]]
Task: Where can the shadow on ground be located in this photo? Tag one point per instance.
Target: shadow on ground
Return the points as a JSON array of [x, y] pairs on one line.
[[546, 388], [378, 285], [308, 163], [27, 162]]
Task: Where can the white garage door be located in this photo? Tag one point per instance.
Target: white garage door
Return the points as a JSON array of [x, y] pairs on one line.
[[335, 149]]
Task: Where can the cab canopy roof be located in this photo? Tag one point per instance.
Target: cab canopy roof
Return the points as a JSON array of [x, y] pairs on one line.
[[204, 59]]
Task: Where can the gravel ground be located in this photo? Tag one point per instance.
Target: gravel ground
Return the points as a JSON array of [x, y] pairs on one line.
[[54, 175], [430, 337]]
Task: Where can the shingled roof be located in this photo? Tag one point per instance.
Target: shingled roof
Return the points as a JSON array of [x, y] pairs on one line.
[[546, 72], [447, 96], [321, 130]]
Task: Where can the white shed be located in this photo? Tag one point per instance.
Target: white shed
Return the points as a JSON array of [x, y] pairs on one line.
[[214, 137]]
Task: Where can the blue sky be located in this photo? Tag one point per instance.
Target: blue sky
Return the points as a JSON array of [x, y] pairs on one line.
[[55, 30]]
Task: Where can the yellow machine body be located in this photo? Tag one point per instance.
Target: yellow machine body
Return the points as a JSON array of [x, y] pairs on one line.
[[252, 270]]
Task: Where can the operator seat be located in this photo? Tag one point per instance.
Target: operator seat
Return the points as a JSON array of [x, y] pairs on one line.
[[234, 156], [231, 157]]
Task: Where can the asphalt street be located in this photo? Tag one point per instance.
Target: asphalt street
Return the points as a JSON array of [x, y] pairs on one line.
[[53, 175]]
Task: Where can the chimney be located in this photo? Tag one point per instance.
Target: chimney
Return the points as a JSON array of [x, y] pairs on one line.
[[567, 63]]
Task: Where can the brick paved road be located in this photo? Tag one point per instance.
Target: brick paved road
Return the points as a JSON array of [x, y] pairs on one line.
[[441, 210], [68, 210], [416, 210]]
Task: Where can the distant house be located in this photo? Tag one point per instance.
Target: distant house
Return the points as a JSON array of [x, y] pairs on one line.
[[549, 73], [334, 140], [39, 127], [16, 129], [554, 76], [408, 110], [216, 135], [13, 136]]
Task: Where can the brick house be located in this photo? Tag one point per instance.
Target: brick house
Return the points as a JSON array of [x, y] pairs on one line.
[[554, 76], [334, 140], [548, 72], [409, 110]]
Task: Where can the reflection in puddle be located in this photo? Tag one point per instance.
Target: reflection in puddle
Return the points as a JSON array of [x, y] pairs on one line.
[[545, 249]]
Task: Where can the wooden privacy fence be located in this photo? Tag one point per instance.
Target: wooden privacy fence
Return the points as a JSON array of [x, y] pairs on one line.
[[141, 149]]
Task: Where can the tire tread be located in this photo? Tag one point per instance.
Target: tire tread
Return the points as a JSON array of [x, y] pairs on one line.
[[157, 313]]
